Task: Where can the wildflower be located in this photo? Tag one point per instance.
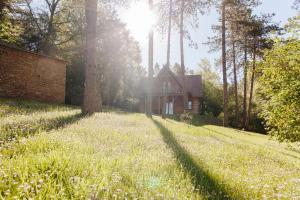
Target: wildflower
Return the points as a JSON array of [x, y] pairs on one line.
[[7, 192]]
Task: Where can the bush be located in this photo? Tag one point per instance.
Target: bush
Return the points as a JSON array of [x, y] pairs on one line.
[[280, 91], [186, 118]]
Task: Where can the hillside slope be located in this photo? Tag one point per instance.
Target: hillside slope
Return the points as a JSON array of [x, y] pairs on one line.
[[52, 152]]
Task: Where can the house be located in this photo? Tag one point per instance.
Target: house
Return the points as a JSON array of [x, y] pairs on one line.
[[31, 76], [168, 88]]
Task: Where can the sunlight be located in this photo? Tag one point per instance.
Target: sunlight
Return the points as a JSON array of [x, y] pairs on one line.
[[139, 20]]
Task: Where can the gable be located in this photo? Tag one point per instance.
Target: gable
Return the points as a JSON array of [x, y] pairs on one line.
[[193, 83], [167, 76]]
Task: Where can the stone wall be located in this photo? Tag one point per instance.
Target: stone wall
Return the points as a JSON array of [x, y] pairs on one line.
[[31, 76]]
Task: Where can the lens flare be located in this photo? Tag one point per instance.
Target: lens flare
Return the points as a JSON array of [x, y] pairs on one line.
[[139, 19]]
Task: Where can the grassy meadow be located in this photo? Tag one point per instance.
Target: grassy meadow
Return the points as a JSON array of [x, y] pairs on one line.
[[52, 152]]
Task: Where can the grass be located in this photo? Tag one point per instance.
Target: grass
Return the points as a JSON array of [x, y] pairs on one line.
[[116, 155]]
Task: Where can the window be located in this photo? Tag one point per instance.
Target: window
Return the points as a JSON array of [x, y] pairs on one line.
[[169, 86], [166, 86], [190, 105], [169, 108]]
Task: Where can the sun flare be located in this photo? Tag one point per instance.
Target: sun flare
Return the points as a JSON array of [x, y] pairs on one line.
[[139, 19]]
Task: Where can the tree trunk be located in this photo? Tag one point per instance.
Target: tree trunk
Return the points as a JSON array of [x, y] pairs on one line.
[[168, 55], [169, 34], [251, 89], [225, 92], [150, 69], [92, 96], [182, 57], [47, 47], [237, 112], [245, 86]]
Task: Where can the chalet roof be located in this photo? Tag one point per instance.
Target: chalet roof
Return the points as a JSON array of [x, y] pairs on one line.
[[168, 71], [193, 83]]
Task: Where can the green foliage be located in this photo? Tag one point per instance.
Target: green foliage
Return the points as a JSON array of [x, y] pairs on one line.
[[118, 64], [293, 26], [186, 118], [10, 27], [212, 89], [113, 156], [75, 82], [213, 96], [9, 33], [280, 90]]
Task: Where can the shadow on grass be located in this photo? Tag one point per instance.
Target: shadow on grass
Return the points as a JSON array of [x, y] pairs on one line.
[[251, 143], [196, 120], [218, 132], [13, 131], [294, 149], [17, 106], [202, 180]]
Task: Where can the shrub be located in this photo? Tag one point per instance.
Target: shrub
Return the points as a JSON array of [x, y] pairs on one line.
[[187, 118], [280, 91]]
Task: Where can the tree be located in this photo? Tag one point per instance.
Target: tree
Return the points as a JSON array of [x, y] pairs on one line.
[[236, 11], [150, 69], [188, 9], [182, 64], [224, 69], [168, 56], [241, 26], [118, 61], [92, 96], [259, 30], [46, 25], [236, 95], [212, 89], [279, 86], [10, 26], [230, 38]]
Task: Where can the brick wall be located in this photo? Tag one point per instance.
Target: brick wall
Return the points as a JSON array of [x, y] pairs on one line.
[[195, 105], [30, 76]]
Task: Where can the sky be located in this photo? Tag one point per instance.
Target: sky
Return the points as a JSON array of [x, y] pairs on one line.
[[134, 20]]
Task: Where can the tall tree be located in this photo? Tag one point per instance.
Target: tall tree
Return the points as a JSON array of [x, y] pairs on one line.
[[245, 73], [235, 12], [150, 69], [181, 30], [92, 96], [251, 87], [236, 95], [168, 57], [259, 30], [46, 22], [230, 38], [224, 68]]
